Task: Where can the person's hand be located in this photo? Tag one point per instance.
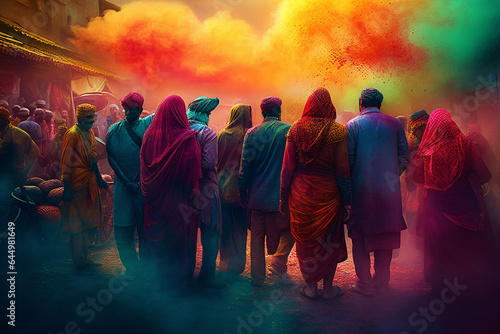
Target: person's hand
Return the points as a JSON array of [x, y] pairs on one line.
[[102, 184], [132, 186], [66, 196], [347, 219]]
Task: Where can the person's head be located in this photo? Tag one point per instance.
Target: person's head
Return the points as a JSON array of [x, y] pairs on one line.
[[61, 131], [85, 114], [21, 101], [4, 104], [419, 133], [113, 109], [15, 110], [200, 108], [48, 116], [404, 122], [40, 103], [31, 107], [4, 118], [39, 115], [271, 107], [59, 122], [132, 104], [370, 98], [418, 122], [320, 105], [64, 114], [23, 114]]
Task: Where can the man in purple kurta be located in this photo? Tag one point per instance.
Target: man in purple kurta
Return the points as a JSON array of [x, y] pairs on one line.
[[378, 155], [208, 202]]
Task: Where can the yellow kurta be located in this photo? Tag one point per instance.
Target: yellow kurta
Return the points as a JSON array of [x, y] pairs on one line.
[[84, 211]]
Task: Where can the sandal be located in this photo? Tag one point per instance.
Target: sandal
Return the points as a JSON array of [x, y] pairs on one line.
[[303, 293], [338, 294]]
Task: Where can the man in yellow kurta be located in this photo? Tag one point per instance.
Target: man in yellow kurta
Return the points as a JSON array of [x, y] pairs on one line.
[[81, 177]]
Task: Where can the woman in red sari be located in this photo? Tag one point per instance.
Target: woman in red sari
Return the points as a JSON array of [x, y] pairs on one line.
[[170, 171], [452, 217], [315, 186]]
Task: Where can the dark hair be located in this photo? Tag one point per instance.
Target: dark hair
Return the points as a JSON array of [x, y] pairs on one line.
[[370, 103], [275, 112]]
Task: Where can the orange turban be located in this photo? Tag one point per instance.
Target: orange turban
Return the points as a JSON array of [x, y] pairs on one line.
[[85, 109]]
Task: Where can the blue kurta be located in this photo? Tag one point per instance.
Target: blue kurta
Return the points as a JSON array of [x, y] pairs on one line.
[[378, 154], [126, 153]]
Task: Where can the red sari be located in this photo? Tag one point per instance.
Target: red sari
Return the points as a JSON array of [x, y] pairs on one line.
[[170, 167], [316, 155], [452, 217]]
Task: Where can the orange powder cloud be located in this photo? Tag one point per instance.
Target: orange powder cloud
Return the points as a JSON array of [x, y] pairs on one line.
[[342, 45]]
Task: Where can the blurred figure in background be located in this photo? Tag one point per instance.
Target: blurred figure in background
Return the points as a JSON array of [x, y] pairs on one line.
[[15, 120], [484, 148], [114, 112], [415, 194], [55, 153], [18, 152]]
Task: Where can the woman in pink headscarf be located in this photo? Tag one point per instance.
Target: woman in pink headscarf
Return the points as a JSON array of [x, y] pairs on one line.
[[170, 171], [452, 217]]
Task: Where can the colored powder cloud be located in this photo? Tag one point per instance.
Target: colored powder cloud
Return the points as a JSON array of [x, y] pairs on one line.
[[406, 48]]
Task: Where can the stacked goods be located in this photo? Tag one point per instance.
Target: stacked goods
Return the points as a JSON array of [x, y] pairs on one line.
[[49, 185], [46, 194], [49, 213], [34, 181], [55, 196]]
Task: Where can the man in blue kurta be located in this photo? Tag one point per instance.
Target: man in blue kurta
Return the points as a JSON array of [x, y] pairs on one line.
[[259, 187], [208, 203], [123, 145], [378, 155]]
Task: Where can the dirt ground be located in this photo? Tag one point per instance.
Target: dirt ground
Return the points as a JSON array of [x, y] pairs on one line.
[[52, 298]]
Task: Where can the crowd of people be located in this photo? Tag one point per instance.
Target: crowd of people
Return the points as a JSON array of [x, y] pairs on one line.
[[287, 184]]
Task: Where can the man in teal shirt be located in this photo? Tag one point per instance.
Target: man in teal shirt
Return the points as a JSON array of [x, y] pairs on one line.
[[123, 145]]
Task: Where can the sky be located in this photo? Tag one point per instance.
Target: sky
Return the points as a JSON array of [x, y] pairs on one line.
[[413, 51]]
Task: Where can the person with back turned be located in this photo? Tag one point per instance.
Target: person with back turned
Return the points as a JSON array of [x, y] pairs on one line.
[[378, 155]]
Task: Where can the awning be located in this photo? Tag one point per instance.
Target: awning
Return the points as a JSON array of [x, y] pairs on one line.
[[42, 50]]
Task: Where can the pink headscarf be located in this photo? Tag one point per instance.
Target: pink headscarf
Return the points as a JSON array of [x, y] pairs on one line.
[[442, 152], [170, 163]]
